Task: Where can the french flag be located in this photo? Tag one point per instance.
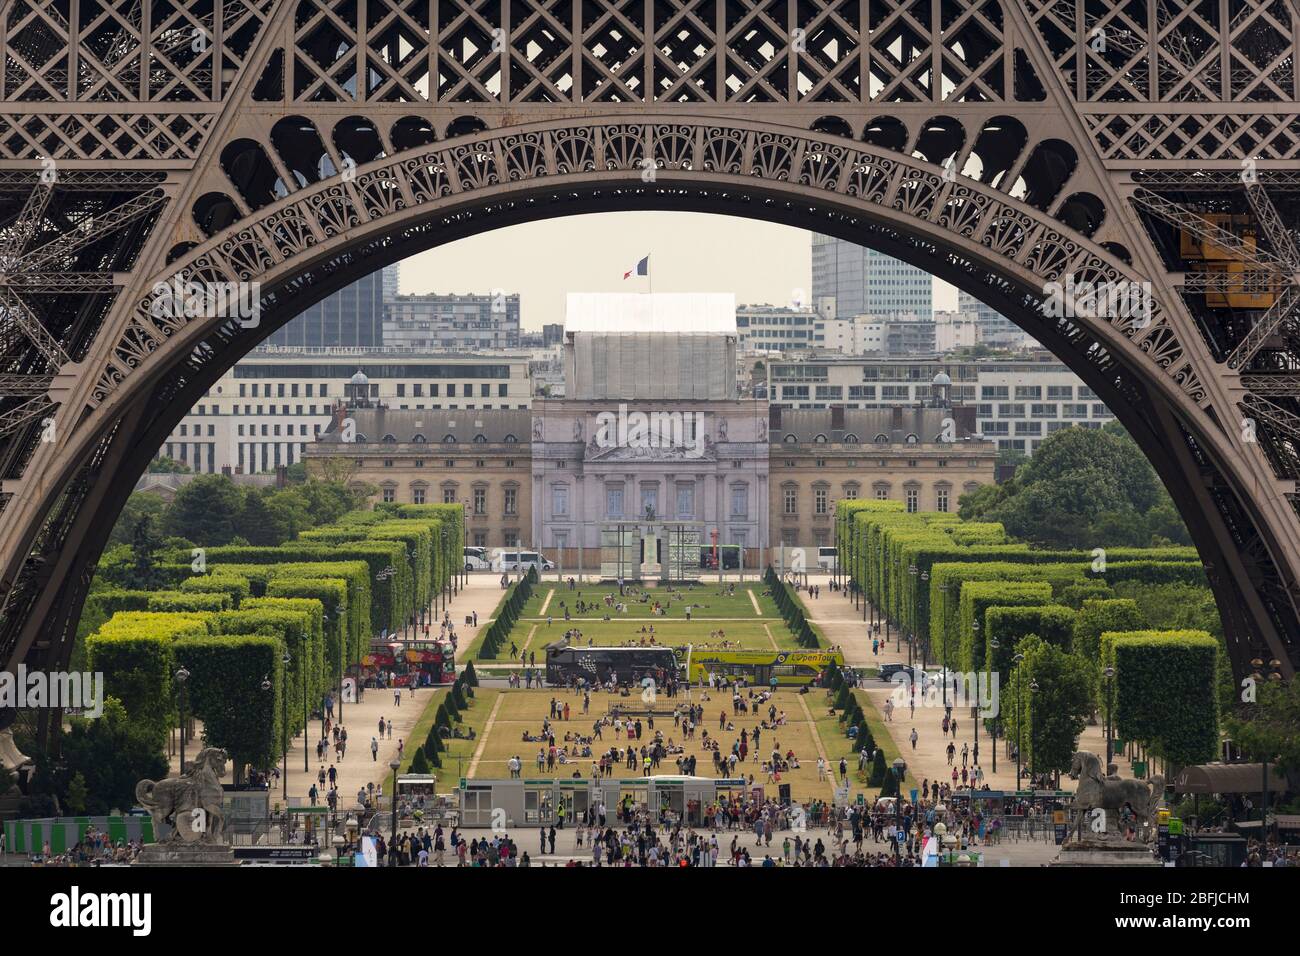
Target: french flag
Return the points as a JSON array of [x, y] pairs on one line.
[[642, 268]]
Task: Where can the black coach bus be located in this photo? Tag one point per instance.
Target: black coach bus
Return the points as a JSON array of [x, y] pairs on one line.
[[566, 663]]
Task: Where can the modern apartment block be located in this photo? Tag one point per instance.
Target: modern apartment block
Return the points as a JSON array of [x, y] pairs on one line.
[[353, 317], [993, 328], [453, 323], [266, 409], [865, 282], [1018, 402]]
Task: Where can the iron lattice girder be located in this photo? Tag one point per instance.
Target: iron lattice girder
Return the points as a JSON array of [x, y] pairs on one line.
[[1215, 180], [20, 415], [1177, 216], [1284, 309], [1283, 261], [17, 312], [1282, 385], [24, 385], [23, 230], [1278, 417], [47, 256], [1279, 236], [1255, 281]]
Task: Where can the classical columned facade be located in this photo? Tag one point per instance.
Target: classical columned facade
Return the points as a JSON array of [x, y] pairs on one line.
[[589, 476]]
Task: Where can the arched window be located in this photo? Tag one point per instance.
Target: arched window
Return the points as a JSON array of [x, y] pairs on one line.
[[510, 439], [820, 440], [881, 439], [912, 439], [850, 439], [790, 439], [480, 439], [389, 439], [418, 439], [449, 439]]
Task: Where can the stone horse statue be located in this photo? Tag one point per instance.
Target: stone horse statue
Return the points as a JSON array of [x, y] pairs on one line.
[[191, 803], [1096, 791]]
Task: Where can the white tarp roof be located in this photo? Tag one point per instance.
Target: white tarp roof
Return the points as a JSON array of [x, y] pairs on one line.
[[709, 313]]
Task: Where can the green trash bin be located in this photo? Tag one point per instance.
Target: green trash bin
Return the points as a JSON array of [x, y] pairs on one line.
[[1140, 769]]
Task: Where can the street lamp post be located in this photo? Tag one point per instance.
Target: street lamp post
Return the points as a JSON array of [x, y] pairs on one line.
[[266, 689], [993, 731], [1019, 731], [284, 727], [394, 764], [912, 570], [1033, 751], [182, 675], [925, 648], [1109, 675], [306, 761]]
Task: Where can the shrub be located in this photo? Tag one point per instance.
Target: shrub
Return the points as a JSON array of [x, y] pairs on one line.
[[1098, 616], [879, 771], [976, 598], [420, 763], [1165, 691], [225, 692], [134, 651], [1054, 623]]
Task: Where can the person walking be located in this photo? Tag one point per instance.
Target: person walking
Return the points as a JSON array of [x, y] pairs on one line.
[[914, 738], [374, 749]]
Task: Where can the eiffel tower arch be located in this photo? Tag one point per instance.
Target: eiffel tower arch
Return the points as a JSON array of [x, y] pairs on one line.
[[292, 146]]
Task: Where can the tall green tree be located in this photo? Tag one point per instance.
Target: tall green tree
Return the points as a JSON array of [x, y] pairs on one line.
[[145, 545], [206, 511], [262, 525], [109, 754], [1047, 721], [162, 465], [137, 506], [1266, 728]]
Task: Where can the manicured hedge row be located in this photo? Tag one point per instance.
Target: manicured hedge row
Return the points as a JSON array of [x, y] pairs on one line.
[[133, 650], [791, 610], [392, 592], [1006, 626], [879, 545], [294, 628], [1165, 691], [499, 630], [976, 598], [235, 585], [225, 692], [188, 601], [332, 594], [1096, 617]]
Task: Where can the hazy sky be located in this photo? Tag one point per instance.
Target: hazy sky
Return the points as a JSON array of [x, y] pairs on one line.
[[689, 252]]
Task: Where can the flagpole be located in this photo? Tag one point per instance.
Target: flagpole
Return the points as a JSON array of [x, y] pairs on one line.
[[649, 279]]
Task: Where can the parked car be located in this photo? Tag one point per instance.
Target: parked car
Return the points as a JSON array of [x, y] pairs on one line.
[[887, 671]]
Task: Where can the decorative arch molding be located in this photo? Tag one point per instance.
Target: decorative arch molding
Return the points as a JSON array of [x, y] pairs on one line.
[[468, 176], [306, 244]]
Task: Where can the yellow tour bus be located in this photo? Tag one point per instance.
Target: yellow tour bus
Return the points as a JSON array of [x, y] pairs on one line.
[[758, 668]]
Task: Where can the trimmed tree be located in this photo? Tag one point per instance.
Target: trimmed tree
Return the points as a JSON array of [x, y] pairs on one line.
[[1164, 691]]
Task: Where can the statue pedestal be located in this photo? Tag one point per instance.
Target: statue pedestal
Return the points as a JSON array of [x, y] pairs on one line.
[[651, 569], [1102, 852], [186, 854]]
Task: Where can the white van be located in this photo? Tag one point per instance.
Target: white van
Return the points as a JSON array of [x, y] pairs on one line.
[[477, 559], [503, 561], [827, 558]]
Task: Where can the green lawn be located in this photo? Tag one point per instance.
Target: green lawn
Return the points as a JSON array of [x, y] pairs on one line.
[[749, 635], [707, 601], [480, 707]]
